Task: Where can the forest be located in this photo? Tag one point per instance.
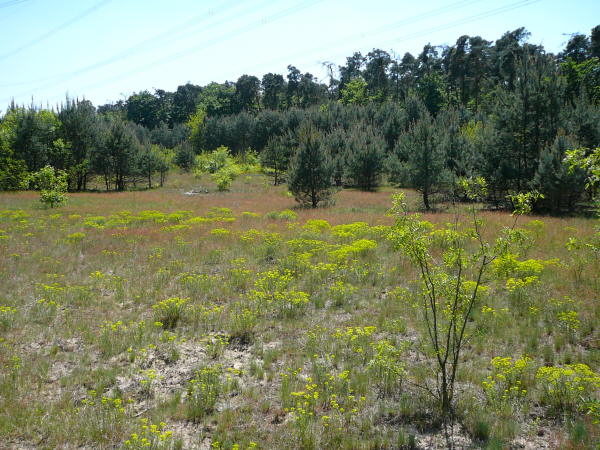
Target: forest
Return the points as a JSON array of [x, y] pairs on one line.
[[504, 110]]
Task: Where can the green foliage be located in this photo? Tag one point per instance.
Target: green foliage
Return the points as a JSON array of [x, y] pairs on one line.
[[286, 214], [430, 89], [116, 157], [355, 92], [561, 187], [420, 160], [474, 188], [353, 250], [185, 157], [79, 129], [168, 312], [509, 382], [225, 176], [583, 77], [195, 124], [451, 280], [151, 435], [52, 185], [221, 166], [365, 158], [13, 173], [572, 388], [214, 161], [203, 391], [151, 160], [589, 161], [275, 158], [387, 366], [309, 178], [523, 202]]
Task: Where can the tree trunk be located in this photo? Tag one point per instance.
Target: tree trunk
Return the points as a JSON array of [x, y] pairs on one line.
[[426, 199]]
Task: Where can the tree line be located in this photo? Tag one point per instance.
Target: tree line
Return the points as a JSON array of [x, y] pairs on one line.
[[505, 110]]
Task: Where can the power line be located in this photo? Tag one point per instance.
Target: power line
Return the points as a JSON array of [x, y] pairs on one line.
[[483, 15], [230, 35], [381, 29], [65, 77], [12, 3], [55, 30], [475, 17], [296, 8], [160, 39]]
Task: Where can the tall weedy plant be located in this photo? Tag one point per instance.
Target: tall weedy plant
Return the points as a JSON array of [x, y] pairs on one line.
[[451, 263]]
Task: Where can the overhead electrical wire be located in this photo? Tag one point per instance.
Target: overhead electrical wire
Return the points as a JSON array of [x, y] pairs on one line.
[[465, 20], [381, 29], [293, 10], [12, 3], [55, 30], [150, 43], [483, 15], [241, 30]]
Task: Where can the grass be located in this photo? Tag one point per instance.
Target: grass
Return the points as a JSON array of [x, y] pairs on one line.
[[240, 321]]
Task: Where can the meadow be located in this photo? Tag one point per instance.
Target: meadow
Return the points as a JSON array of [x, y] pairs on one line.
[[234, 320]]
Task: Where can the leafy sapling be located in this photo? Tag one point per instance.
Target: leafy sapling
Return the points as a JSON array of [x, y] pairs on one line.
[[52, 184], [451, 281]]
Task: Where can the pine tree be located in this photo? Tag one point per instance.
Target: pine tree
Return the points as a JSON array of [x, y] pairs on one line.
[[335, 143], [309, 177], [79, 127], [276, 157], [420, 161], [116, 155], [364, 164], [561, 187]]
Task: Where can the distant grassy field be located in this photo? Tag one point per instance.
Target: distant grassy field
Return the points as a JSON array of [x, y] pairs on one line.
[[156, 319]]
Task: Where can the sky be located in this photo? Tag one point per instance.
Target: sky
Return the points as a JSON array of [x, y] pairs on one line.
[[105, 50]]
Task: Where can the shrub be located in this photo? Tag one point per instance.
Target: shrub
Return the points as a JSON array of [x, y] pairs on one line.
[[225, 176], [7, 315], [508, 380], [286, 214], [387, 367], [214, 161], [220, 165], [203, 392], [242, 323], [52, 185], [290, 303], [149, 435], [169, 311], [572, 388], [357, 248]]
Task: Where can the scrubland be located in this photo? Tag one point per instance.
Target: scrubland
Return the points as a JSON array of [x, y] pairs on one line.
[[156, 319]]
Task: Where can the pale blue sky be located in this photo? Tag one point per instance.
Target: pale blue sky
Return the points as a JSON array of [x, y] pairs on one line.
[[107, 49]]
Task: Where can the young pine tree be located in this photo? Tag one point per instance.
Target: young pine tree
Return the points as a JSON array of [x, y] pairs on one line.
[[311, 170], [365, 160], [276, 157], [335, 144], [420, 160], [560, 186]]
